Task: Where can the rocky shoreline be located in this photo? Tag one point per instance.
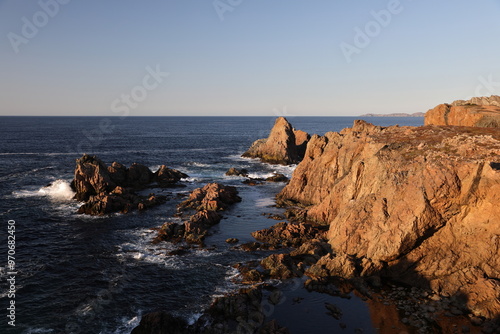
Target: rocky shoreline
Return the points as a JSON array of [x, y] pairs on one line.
[[406, 218]]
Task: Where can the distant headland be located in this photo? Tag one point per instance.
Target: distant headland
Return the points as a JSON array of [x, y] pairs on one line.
[[417, 114]]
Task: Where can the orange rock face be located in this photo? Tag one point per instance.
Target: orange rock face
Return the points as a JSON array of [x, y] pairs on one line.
[[480, 112], [284, 145], [415, 204]]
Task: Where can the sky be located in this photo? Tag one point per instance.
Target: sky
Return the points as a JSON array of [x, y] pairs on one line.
[[244, 57]]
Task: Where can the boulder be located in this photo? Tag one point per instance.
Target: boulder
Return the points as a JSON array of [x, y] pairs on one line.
[[237, 172], [167, 177], [139, 176], [212, 196], [477, 112], [418, 205], [284, 145]]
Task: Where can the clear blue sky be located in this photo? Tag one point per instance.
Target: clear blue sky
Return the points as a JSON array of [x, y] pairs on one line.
[[263, 56]]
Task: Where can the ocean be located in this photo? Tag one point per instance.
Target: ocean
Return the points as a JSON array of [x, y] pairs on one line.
[[82, 274]]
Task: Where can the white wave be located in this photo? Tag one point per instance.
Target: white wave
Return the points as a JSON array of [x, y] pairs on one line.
[[265, 202], [58, 190], [197, 164], [140, 249], [191, 179], [260, 175], [192, 318], [127, 325], [229, 283]]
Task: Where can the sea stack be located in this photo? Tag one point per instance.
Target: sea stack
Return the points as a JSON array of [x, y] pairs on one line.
[[284, 146]]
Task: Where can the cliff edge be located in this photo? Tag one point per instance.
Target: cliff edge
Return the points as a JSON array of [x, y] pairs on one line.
[[418, 205], [478, 111]]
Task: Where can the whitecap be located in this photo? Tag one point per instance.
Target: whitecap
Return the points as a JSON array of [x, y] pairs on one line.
[[265, 202], [59, 190]]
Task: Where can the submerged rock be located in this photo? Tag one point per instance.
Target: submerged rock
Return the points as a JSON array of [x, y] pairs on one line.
[[477, 112], [415, 204], [284, 145]]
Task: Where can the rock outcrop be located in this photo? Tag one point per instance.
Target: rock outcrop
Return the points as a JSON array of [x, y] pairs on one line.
[[284, 146], [111, 189], [478, 111], [415, 204], [206, 201]]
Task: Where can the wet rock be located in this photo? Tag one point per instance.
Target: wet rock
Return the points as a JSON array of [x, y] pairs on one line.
[[212, 196], [232, 240], [253, 246], [139, 176], [277, 178], [288, 234], [334, 311], [253, 182], [111, 189], [167, 177], [280, 266], [237, 172]]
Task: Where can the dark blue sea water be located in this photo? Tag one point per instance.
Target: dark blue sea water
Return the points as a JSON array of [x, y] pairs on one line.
[[80, 274]]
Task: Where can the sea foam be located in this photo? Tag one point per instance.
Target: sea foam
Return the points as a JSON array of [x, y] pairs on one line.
[[59, 190]]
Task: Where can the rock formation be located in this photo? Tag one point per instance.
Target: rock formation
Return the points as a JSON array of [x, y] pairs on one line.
[[206, 201], [112, 189], [415, 204], [478, 111], [284, 145]]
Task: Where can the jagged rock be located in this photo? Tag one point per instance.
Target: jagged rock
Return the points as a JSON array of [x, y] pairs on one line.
[[110, 189], [477, 112], [284, 145], [139, 176], [277, 178], [415, 204], [280, 266], [288, 234], [167, 177], [232, 240], [91, 178], [206, 201], [237, 172], [212, 196]]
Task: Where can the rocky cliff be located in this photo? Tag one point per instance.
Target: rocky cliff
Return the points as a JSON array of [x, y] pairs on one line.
[[415, 204], [478, 111], [285, 145]]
